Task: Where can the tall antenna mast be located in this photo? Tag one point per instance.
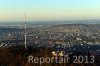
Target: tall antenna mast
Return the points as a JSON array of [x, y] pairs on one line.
[[25, 30]]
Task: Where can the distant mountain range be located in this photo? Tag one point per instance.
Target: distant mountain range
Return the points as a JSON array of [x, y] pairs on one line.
[[50, 22]]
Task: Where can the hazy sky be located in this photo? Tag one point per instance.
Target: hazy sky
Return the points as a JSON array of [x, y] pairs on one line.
[[49, 9]]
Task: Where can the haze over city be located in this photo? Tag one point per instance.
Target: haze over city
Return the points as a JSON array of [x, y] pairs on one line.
[[49, 32]]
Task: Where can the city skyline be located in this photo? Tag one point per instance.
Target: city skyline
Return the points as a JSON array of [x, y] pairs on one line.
[[49, 9]]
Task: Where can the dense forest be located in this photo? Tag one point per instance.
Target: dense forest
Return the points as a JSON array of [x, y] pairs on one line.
[[18, 56]]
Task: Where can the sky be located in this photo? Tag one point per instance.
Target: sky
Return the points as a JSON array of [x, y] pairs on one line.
[[49, 9]]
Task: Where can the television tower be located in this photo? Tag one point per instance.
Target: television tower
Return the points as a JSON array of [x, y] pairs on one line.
[[25, 31]]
